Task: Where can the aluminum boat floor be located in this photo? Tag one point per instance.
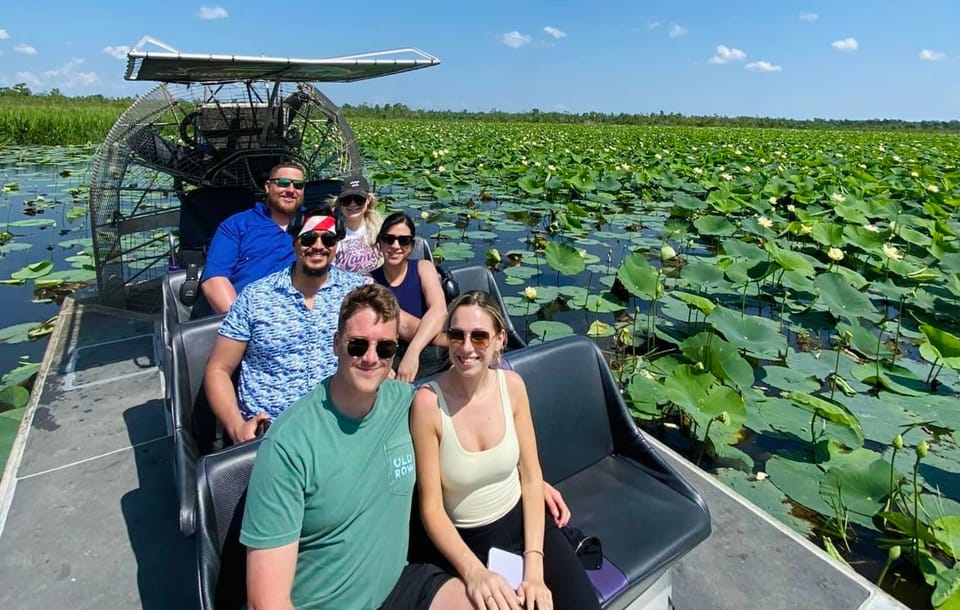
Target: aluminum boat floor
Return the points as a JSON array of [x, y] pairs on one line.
[[88, 510]]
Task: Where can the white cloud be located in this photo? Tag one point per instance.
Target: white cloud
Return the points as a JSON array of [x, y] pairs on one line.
[[30, 79], [119, 52], [4, 34], [25, 49], [552, 31], [809, 16], [212, 12], [763, 66], [726, 55], [931, 55], [677, 30], [846, 44], [653, 25], [515, 39], [67, 76]]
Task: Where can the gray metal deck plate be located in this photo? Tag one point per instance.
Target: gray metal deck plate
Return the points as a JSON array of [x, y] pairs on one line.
[[752, 561]]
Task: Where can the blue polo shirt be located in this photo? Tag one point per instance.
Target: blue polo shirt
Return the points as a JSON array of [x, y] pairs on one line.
[[289, 347], [248, 246]]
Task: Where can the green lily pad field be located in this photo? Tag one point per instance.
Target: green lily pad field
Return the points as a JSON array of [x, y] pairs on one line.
[[782, 305]]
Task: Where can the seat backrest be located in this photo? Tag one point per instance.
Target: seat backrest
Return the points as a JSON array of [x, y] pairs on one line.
[[421, 249], [174, 311], [566, 382], [192, 347], [203, 209], [319, 192], [479, 277], [222, 480]]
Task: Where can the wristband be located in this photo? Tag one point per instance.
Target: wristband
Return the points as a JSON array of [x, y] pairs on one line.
[[533, 551]]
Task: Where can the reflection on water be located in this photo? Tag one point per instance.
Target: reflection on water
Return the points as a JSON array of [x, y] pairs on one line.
[[43, 203]]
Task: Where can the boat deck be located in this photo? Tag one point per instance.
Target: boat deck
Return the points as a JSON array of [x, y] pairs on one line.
[[88, 510]]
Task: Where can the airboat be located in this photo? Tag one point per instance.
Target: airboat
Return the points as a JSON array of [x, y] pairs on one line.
[[111, 498]]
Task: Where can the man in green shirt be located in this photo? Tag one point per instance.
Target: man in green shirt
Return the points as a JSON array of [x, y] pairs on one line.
[[328, 505]]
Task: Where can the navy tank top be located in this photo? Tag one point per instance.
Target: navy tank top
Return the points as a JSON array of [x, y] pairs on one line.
[[409, 293]]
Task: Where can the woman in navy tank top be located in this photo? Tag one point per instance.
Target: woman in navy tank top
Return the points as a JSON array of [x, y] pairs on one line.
[[416, 285]]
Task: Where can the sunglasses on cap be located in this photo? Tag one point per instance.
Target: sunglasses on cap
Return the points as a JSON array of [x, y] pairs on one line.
[[285, 182], [358, 347], [479, 338], [309, 238], [404, 240], [353, 200]]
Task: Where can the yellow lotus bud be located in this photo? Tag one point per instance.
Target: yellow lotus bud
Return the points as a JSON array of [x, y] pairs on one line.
[[898, 442], [894, 553], [667, 252], [922, 449], [530, 293]]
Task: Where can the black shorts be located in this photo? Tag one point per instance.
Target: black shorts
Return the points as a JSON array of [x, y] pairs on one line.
[[416, 588]]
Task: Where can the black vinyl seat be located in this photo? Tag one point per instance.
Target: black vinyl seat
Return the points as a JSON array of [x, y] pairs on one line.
[[479, 277], [195, 429], [617, 486], [619, 489], [222, 480]]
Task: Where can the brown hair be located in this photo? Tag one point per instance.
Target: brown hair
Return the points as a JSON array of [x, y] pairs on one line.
[[481, 299], [286, 165], [369, 296]]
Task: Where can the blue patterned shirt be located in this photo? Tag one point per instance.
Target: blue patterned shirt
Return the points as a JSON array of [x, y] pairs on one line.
[[289, 347]]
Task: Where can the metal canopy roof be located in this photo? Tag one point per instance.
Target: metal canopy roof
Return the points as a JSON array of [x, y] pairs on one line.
[[171, 66]]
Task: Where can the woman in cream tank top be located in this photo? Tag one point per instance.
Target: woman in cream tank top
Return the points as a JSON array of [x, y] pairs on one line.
[[478, 472]]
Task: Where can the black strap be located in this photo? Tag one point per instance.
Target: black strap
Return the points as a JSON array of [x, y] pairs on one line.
[[190, 288]]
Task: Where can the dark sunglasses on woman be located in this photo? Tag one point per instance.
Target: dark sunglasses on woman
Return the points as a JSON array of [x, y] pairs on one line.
[[358, 347], [353, 200], [309, 238], [479, 338], [403, 240]]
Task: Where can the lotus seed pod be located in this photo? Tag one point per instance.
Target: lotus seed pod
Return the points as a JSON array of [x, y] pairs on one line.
[[894, 553], [667, 252], [898, 442], [922, 449]]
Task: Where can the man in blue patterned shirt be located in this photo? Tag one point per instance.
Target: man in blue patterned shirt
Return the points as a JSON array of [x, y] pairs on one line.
[[280, 332]]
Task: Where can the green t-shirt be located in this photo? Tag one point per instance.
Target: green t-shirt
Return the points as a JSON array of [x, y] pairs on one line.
[[342, 487]]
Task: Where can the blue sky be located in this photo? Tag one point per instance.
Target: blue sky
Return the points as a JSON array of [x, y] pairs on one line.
[[848, 59]]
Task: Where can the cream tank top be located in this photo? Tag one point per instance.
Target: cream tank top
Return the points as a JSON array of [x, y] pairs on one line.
[[479, 487]]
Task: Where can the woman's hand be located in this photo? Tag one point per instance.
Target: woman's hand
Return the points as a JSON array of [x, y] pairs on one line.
[[248, 429], [556, 505], [489, 591], [534, 595], [407, 371]]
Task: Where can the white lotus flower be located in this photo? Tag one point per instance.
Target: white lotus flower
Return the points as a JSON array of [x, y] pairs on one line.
[[871, 228], [772, 200], [835, 254], [746, 169], [838, 197], [914, 174], [726, 176], [530, 293], [933, 188], [764, 222], [424, 215], [806, 229], [761, 476], [698, 171], [892, 252], [791, 208]]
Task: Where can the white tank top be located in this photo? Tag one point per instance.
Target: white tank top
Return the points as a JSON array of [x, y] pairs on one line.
[[479, 487]]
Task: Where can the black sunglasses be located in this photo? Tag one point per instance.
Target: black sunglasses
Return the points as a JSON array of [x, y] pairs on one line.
[[358, 347], [285, 182], [479, 338], [309, 238], [404, 240], [353, 200]]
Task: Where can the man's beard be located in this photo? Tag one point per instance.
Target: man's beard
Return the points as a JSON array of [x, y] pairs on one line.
[[314, 272], [275, 202]]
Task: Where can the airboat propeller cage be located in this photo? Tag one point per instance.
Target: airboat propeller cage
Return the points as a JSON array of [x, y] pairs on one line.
[[205, 138]]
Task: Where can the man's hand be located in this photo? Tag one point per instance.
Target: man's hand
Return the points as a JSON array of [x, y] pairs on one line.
[[555, 504], [248, 429]]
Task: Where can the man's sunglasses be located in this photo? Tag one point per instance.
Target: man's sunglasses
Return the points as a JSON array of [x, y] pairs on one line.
[[403, 240], [285, 182], [353, 200], [479, 338], [358, 347], [309, 238]]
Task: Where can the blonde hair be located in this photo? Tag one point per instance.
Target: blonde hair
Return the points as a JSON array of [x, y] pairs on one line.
[[371, 219]]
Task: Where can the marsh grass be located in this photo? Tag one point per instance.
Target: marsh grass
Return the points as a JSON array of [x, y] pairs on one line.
[[51, 121]]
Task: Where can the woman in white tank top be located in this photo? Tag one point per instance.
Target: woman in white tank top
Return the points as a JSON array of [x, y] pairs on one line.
[[478, 472]]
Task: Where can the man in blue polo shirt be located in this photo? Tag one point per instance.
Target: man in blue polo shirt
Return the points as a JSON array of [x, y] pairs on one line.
[[281, 328], [253, 243]]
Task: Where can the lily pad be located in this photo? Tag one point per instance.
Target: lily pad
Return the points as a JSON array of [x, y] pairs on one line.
[[547, 330]]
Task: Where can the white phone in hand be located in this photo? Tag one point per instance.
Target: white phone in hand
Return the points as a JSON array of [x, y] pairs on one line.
[[506, 564]]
